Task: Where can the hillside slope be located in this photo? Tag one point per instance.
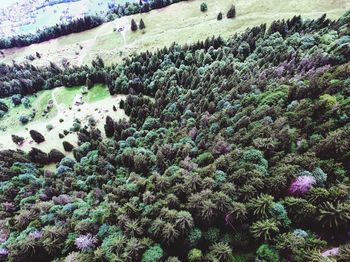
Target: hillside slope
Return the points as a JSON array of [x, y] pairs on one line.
[[182, 23], [241, 155]]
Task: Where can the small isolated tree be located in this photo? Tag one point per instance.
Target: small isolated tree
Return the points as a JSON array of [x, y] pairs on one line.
[[232, 12], [142, 24], [133, 25], [204, 7], [219, 16], [18, 140], [37, 137]]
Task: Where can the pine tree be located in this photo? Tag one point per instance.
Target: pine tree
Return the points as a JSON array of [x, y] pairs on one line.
[[133, 25], [219, 16], [37, 137], [232, 12], [142, 24], [204, 7]]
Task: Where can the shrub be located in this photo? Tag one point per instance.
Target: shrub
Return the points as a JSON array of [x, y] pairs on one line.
[[16, 99], [24, 119], [26, 102], [18, 140], [49, 127]]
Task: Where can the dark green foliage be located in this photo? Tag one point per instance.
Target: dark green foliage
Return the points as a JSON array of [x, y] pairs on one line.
[[109, 126], [67, 146], [142, 24], [219, 136], [204, 7], [231, 13], [18, 140], [219, 17], [36, 136], [134, 26]]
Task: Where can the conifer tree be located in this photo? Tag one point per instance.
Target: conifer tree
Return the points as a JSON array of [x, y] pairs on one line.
[[133, 25], [142, 24], [232, 12], [219, 16]]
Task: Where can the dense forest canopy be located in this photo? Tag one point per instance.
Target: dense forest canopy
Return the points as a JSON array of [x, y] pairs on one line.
[[243, 153]]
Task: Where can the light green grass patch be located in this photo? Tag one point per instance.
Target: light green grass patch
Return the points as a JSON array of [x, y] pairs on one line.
[[66, 95], [11, 119], [98, 92]]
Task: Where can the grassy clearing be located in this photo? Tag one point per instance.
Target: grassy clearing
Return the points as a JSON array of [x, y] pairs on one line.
[[66, 95], [11, 120], [97, 93], [182, 22]]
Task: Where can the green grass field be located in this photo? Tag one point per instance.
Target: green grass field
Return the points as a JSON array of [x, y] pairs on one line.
[[181, 22], [64, 96], [11, 119]]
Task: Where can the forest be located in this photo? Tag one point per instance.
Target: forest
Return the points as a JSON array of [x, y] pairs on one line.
[[235, 150]]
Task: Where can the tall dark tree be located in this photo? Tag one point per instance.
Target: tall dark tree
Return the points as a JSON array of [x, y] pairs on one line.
[[67, 146], [133, 25], [231, 12], [142, 24], [219, 16], [109, 126], [37, 137], [89, 84]]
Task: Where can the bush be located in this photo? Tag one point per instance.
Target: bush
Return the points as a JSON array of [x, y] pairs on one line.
[[18, 140], [16, 99], [24, 119], [26, 102], [49, 127], [204, 7]]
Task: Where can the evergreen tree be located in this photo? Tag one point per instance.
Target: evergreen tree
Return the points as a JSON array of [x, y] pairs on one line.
[[219, 16], [37, 137], [204, 7], [133, 25], [232, 12], [142, 24]]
